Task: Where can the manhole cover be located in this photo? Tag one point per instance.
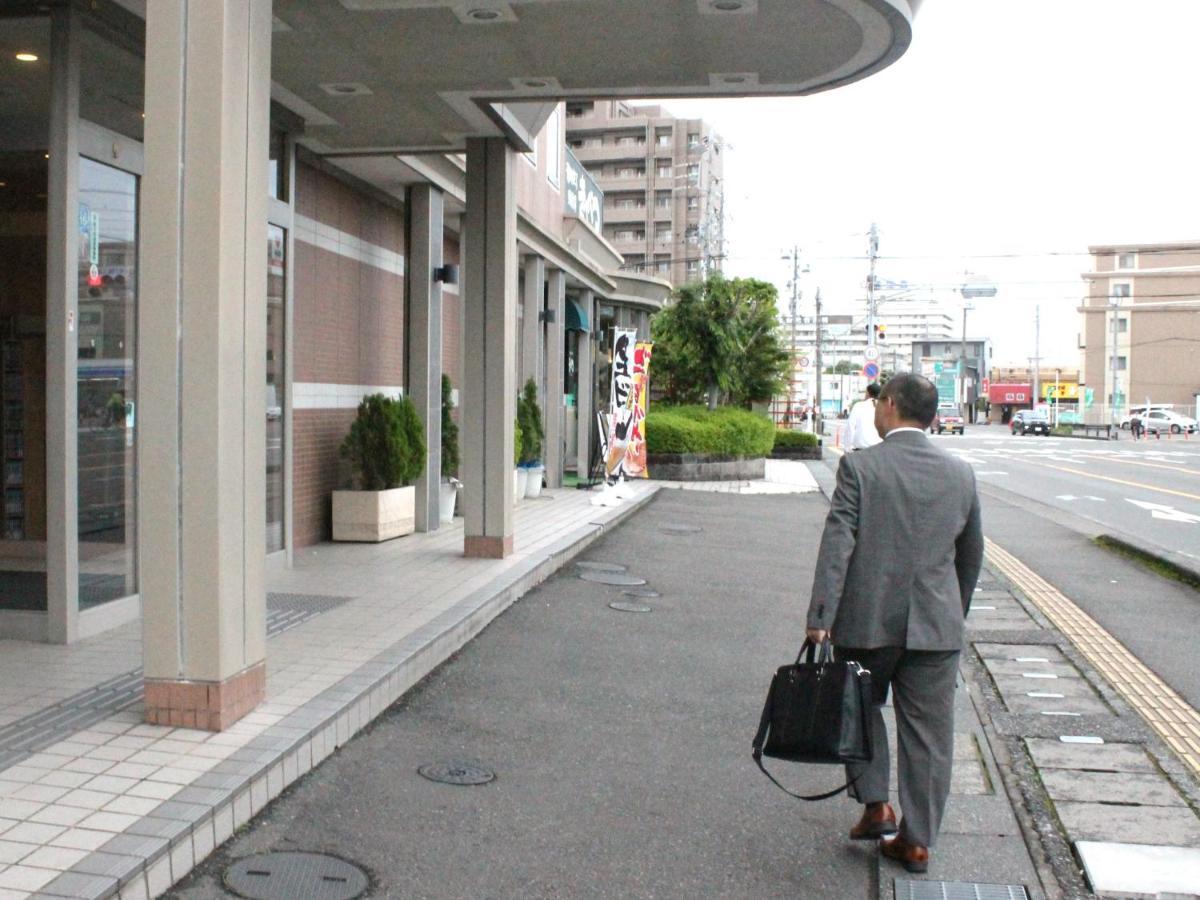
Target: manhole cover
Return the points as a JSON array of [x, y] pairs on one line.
[[457, 773], [285, 876], [623, 606], [617, 578], [590, 566], [957, 890], [676, 528], [640, 592]]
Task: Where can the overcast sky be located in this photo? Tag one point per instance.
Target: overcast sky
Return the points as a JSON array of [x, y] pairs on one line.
[[1010, 136]]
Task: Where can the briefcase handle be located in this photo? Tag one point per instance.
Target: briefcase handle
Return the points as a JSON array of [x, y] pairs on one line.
[[823, 655]]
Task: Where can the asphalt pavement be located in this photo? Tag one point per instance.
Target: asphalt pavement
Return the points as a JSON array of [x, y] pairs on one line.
[[620, 740], [1148, 490]]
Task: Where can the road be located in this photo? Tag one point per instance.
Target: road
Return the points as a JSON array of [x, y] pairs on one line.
[[1147, 489], [620, 740]]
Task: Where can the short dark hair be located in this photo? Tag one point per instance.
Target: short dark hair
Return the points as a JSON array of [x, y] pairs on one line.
[[873, 389], [916, 398]]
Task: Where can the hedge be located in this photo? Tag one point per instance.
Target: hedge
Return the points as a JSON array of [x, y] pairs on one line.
[[726, 431], [786, 439]]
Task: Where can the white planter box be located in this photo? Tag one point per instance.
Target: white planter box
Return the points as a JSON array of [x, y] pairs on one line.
[[533, 483], [374, 515], [447, 496], [518, 484]]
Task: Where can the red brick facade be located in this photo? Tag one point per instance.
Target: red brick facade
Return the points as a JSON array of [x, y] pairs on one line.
[[348, 329]]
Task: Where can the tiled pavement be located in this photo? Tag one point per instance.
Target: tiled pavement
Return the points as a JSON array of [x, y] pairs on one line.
[[122, 807]]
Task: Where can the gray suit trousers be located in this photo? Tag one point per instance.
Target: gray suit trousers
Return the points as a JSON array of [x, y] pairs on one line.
[[922, 683]]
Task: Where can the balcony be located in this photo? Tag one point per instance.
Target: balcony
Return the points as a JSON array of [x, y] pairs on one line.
[[614, 184], [611, 153], [616, 215]]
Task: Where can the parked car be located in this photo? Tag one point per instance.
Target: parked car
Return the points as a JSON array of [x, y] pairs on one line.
[[948, 418], [1031, 421], [1160, 421], [1141, 412]]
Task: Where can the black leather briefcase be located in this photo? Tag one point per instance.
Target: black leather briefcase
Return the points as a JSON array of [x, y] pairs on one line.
[[817, 711]]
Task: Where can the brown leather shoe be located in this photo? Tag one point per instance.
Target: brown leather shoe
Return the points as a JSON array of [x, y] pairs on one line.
[[878, 820], [913, 857]]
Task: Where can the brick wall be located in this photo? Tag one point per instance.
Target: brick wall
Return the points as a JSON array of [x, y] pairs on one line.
[[348, 329]]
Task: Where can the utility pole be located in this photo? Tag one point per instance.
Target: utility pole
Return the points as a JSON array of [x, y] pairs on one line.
[[962, 366], [873, 252], [1037, 358], [820, 370], [1114, 411], [794, 312]]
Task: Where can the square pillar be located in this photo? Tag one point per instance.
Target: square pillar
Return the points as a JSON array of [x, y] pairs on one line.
[[585, 349], [552, 405], [531, 322], [202, 359], [425, 343], [489, 293]]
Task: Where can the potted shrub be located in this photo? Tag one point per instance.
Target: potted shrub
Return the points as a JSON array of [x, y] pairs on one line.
[[529, 414], [518, 472], [386, 451], [450, 483]]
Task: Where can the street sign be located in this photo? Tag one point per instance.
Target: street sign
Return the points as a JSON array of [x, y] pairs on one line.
[[871, 354], [871, 370], [985, 385], [804, 362], [937, 368]]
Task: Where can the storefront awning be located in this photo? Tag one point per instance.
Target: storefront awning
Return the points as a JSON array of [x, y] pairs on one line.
[[577, 317], [1017, 394]]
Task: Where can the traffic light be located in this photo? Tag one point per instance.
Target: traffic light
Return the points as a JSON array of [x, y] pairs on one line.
[[880, 332]]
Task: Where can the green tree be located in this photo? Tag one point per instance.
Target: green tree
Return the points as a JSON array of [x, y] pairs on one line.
[[386, 443], [844, 367], [718, 341], [449, 431]]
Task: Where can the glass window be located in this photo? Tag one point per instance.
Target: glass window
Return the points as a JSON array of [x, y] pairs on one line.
[[276, 381], [111, 85], [1126, 261], [25, 113], [107, 388], [277, 171], [553, 148]]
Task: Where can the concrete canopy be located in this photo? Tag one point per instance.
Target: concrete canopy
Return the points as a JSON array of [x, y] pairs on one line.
[[393, 76]]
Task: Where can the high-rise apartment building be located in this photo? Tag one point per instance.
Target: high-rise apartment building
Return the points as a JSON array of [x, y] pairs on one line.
[[662, 182]]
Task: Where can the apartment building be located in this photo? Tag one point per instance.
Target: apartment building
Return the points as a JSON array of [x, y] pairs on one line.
[[1140, 326], [663, 183], [844, 335]]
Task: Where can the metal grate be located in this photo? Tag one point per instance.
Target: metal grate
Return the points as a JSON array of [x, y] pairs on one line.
[[957, 890], [285, 611], [48, 726]]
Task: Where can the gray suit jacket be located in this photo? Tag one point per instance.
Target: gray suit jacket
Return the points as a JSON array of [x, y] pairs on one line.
[[902, 548]]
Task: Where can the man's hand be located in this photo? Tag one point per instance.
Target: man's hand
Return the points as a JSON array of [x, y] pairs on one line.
[[818, 635]]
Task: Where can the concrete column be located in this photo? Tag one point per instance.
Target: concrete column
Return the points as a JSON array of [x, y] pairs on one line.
[[425, 343], [202, 358], [552, 406], [585, 349], [489, 293], [62, 337], [531, 323]]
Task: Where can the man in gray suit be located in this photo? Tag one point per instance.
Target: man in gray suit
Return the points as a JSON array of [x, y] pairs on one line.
[[899, 559]]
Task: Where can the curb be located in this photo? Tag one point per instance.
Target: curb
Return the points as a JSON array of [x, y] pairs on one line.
[[1150, 556]]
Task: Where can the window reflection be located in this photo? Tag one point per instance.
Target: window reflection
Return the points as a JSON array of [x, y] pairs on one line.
[[107, 393]]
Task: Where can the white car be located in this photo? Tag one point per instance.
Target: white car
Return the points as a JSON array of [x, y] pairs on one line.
[[1159, 421]]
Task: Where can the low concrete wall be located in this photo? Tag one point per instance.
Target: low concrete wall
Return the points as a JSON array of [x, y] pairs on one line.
[[798, 453], [704, 467]]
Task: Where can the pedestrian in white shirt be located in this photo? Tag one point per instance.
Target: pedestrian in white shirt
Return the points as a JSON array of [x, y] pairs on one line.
[[860, 430]]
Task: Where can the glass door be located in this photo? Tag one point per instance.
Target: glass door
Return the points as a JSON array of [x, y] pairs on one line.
[[106, 382], [276, 382]]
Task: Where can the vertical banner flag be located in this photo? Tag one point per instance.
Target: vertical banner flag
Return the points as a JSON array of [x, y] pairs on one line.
[[635, 451], [619, 407]]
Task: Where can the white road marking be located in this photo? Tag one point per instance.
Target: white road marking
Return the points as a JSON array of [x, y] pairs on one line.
[[1169, 513]]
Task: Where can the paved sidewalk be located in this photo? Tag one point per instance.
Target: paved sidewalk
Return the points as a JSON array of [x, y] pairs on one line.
[[118, 805]]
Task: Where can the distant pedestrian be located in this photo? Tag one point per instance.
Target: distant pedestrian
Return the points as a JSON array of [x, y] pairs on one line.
[[893, 584], [1135, 426], [860, 430]]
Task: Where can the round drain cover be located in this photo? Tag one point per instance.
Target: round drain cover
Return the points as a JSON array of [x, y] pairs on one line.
[[285, 876], [591, 566], [457, 773], [676, 528], [640, 592], [617, 578], [623, 606]]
